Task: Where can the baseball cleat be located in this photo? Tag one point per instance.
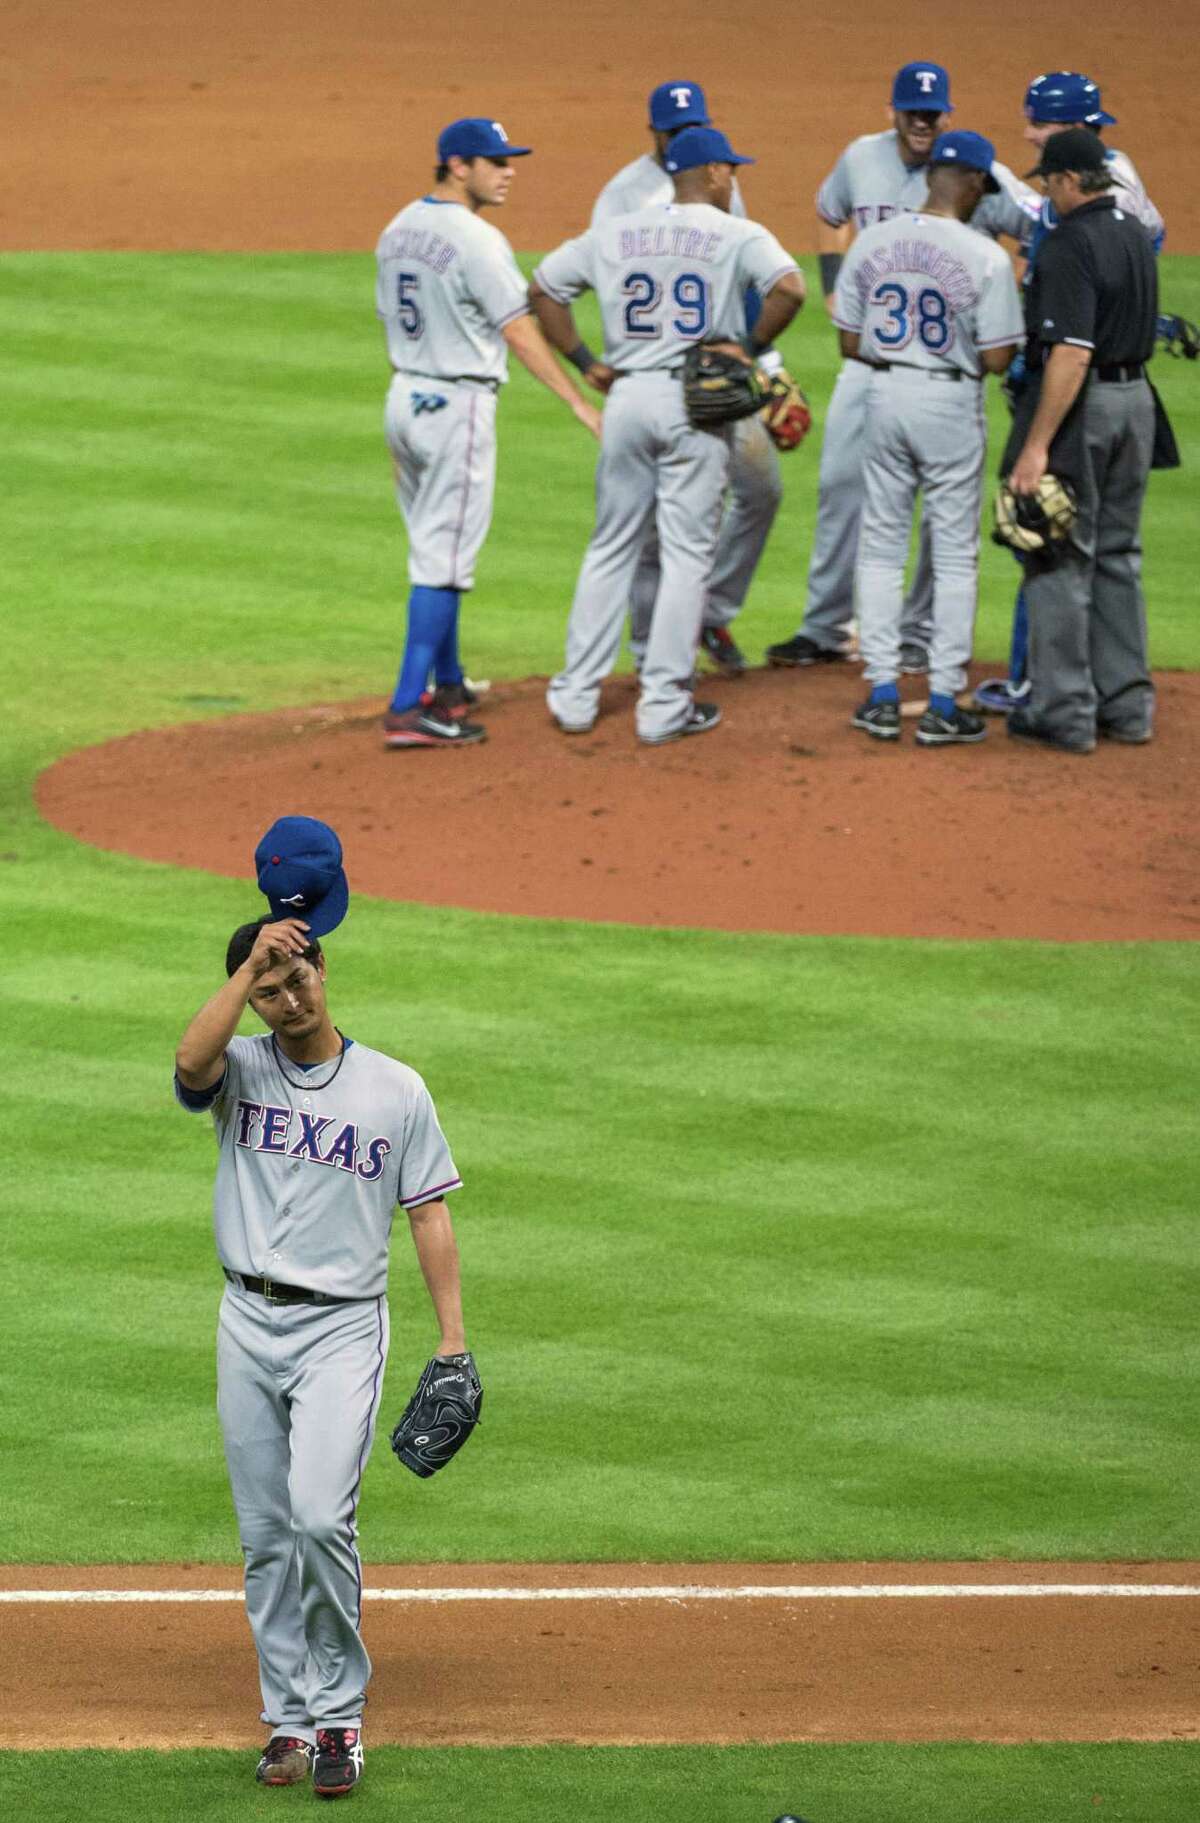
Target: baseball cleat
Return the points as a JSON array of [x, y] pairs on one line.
[[339, 1763], [914, 659], [800, 651], [702, 717], [287, 1761], [453, 699], [1000, 696], [430, 727], [957, 730], [723, 651], [882, 720]]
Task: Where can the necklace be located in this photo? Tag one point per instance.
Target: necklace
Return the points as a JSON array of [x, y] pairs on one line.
[[305, 1083]]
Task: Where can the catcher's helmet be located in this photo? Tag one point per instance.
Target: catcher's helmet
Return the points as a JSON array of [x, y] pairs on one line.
[[1064, 97]]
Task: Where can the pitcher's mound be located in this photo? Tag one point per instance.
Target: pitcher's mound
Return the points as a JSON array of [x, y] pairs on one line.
[[783, 818]]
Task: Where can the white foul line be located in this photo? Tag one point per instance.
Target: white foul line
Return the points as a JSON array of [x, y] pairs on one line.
[[673, 1592]]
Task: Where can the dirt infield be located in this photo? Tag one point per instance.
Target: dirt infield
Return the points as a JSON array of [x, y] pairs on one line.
[[782, 819], [607, 1671], [239, 124]]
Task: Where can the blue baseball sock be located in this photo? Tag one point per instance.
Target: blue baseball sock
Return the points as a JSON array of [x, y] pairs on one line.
[[885, 693], [1019, 650], [447, 668], [941, 704], [430, 613]]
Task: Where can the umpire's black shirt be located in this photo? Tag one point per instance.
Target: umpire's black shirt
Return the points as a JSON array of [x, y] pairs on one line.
[[1095, 286]]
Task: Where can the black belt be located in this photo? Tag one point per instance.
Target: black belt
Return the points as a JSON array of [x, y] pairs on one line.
[[931, 373], [275, 1293], [1117, 371]]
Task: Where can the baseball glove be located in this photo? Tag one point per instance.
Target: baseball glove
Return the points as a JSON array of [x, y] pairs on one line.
[[1036, 524], [1179, 337], [786, 413], [720, 385], [441, 1414]]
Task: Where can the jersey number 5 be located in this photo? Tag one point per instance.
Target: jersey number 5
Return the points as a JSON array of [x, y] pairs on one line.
[[408, 291], [926, 315], [643, 293]]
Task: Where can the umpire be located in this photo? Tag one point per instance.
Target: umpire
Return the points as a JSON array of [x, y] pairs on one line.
[[1089, 418]]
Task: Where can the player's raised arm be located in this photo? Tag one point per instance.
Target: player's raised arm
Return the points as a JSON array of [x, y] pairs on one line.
[[200, 1054]]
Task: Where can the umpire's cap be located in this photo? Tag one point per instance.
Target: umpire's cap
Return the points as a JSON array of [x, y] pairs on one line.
[[299, 867], [1067, 97], [1074, 149]]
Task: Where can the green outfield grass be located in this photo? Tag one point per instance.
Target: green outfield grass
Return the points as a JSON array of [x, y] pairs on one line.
[[774, 1247], [870, 1784]]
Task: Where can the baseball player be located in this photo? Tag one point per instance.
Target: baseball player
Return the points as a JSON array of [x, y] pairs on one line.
[[928, 307], [755, 489], [666, 277], [877, 177], [318, 1140], [453, 303], [1054, 102]]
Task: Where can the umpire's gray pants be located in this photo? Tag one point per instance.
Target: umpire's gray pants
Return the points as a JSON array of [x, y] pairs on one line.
[[1088, 657], [298, 1389], [830, 606], [755, 493], [651, 461]]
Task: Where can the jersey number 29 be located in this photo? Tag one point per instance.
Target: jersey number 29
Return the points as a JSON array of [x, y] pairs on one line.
[[925, 314], [644, 294]]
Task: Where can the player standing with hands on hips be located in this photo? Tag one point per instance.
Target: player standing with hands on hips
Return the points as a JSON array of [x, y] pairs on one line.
[[453, 303], [666, 278], [929, 306], [319, 1138]]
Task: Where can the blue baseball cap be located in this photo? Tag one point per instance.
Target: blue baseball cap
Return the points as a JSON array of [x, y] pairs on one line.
[[969, 151], [477, 138], [921, 86], [701, 146], [299, 867], [1065, 96], [677, 104]]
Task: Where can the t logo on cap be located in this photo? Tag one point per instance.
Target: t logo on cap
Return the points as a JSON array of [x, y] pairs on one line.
[[682, 97]]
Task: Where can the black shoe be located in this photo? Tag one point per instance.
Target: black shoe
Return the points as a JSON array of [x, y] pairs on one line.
[[957, 729], [431, 727], [880, 719], [723, 651], [451, 699], [287, 1761], [914, 659], [1128, 737], [800, 650], [703, 717], [1023, 727], [339, 1763]]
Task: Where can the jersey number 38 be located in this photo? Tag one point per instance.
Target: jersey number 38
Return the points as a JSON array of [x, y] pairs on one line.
[[924, 313]]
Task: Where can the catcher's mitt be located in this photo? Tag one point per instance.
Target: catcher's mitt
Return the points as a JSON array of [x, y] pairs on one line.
[[720, 385], [441, 1414], [1179, 337], [1036, 524], [786, 413]]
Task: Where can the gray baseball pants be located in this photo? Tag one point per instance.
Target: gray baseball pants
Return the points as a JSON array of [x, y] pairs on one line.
[[830, 605], [298, 1389], [1088, 652], [651, 461], [755, 494]]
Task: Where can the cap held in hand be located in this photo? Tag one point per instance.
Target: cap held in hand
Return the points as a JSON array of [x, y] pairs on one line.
[[299, 868]]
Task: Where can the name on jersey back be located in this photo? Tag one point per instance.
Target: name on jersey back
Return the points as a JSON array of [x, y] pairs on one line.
[[424, 246], [669, 241], [952, 277]]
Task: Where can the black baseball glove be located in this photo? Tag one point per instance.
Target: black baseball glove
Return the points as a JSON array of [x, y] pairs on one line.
[[441, 1414], [1178, 337], [720, 385]]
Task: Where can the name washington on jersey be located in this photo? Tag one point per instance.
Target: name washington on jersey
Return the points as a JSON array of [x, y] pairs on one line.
[[263, 1127], [917, 256]]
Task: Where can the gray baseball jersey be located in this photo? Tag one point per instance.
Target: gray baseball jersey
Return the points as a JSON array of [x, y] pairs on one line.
[[924, 294], [446, 287], [307, 1177], [871, 183], [641, 185]]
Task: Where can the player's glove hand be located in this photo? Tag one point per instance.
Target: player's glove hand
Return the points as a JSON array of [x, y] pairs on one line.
[[441, 1414], [786, 413], [1036, 524], [1179, 337], [721, 385]]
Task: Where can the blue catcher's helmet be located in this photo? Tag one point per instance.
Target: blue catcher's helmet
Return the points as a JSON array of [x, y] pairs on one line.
[[1065, 98]]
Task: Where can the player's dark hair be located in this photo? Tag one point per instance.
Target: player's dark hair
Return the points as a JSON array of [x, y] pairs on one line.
[[441, 173], [242, 942]]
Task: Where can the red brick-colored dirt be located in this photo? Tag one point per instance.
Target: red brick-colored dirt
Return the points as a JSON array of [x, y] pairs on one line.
[[607, 1671]]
